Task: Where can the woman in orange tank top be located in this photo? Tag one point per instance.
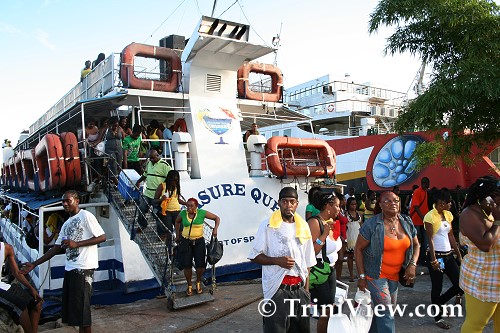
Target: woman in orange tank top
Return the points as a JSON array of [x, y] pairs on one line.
[[386, 243]]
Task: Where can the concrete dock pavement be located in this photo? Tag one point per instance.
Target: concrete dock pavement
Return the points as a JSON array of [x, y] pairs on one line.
[[235, 309]]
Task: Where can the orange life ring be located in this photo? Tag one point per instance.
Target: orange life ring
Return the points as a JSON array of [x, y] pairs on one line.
[[49, 157], [331, 108], [279, 151], [274, 72], [71, 159], [20, 180], [127, 69], [28, 163], [180, 125]]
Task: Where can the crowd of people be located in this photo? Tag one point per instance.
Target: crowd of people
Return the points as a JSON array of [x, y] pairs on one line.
[[387, 238], [124, 147]]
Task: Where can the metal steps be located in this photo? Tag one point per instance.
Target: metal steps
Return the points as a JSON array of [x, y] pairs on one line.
[[156, 253]]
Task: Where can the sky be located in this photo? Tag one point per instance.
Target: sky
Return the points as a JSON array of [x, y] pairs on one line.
[[46, 42]]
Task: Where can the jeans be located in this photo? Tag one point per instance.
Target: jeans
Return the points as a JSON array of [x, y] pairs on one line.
[[452, 270], [282, 320], [383, 291], [422, 239]]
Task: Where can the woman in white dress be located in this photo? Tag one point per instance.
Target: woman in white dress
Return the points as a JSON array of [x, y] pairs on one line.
[[354, 223]]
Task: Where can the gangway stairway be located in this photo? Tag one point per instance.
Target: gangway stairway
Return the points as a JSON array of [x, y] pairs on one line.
[[156, 253]]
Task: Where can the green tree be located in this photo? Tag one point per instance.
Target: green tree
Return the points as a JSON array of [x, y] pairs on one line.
[[460, 40]]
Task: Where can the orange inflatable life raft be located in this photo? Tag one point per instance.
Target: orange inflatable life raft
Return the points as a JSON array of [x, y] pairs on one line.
[[49, 159], [71, 158], [29, 167], [300, 157], [274, 72], [127, 69], [19, 171]]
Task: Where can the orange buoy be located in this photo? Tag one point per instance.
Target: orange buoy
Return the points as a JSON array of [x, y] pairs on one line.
[[71, 159], [127, 69], [29, 167], [300, 157], [274, 72], [19, 174], [180, 125], [49, 159]]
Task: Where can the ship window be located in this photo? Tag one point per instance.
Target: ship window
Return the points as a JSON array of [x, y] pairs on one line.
[[214, 83], [275, 133], [287, 132]]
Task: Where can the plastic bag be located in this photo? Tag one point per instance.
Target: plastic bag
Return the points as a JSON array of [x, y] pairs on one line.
[[361, 318], [100, 148], [340, 323]]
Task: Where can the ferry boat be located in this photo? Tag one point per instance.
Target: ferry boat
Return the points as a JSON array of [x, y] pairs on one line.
[[200, 85], [357, 120]]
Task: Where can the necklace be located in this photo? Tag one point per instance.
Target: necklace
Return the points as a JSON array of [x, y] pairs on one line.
[[392, 227], [488, 217]]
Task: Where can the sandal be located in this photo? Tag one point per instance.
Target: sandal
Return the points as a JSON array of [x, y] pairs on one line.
[[442, 324], [189, 291], [199, 290]]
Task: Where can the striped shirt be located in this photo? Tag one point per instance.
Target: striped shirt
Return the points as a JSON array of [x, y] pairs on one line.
[[480, 272]]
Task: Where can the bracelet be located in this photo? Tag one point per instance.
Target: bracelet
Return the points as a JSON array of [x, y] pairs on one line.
[[496, 222], [362, 276], [412, 262], [319, 242]]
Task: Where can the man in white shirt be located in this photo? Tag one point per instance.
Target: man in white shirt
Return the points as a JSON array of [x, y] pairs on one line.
[[79, 237], [283, 246], [350, 193]]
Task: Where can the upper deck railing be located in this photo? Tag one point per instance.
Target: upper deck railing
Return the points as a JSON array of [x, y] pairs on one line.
[[102, 80]]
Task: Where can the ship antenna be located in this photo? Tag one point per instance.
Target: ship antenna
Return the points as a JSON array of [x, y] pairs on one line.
[[213, 8], [276, 45]]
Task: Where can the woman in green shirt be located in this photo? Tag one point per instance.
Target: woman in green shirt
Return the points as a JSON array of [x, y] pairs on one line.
[[192, 244]]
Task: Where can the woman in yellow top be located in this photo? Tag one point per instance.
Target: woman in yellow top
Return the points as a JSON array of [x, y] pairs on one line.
[[154, 133], [168, 196], [192, 244], [371, 200], [442, 245]]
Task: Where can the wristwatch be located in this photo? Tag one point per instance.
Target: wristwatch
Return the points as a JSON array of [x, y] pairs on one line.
[[319, 242], [362, 276], [412, 262]]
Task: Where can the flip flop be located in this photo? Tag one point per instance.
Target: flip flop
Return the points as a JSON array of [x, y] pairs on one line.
[[189, 291], [442, 324], [199, 290]]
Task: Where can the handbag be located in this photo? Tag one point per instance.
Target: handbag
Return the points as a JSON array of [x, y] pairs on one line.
[[402, 281], [320, 273], [215, 251]]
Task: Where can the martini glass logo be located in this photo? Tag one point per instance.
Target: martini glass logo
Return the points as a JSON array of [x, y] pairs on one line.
[[218, 122], [394, 164]]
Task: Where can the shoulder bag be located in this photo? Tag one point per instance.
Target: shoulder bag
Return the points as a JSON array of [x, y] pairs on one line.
[[320, 272]]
